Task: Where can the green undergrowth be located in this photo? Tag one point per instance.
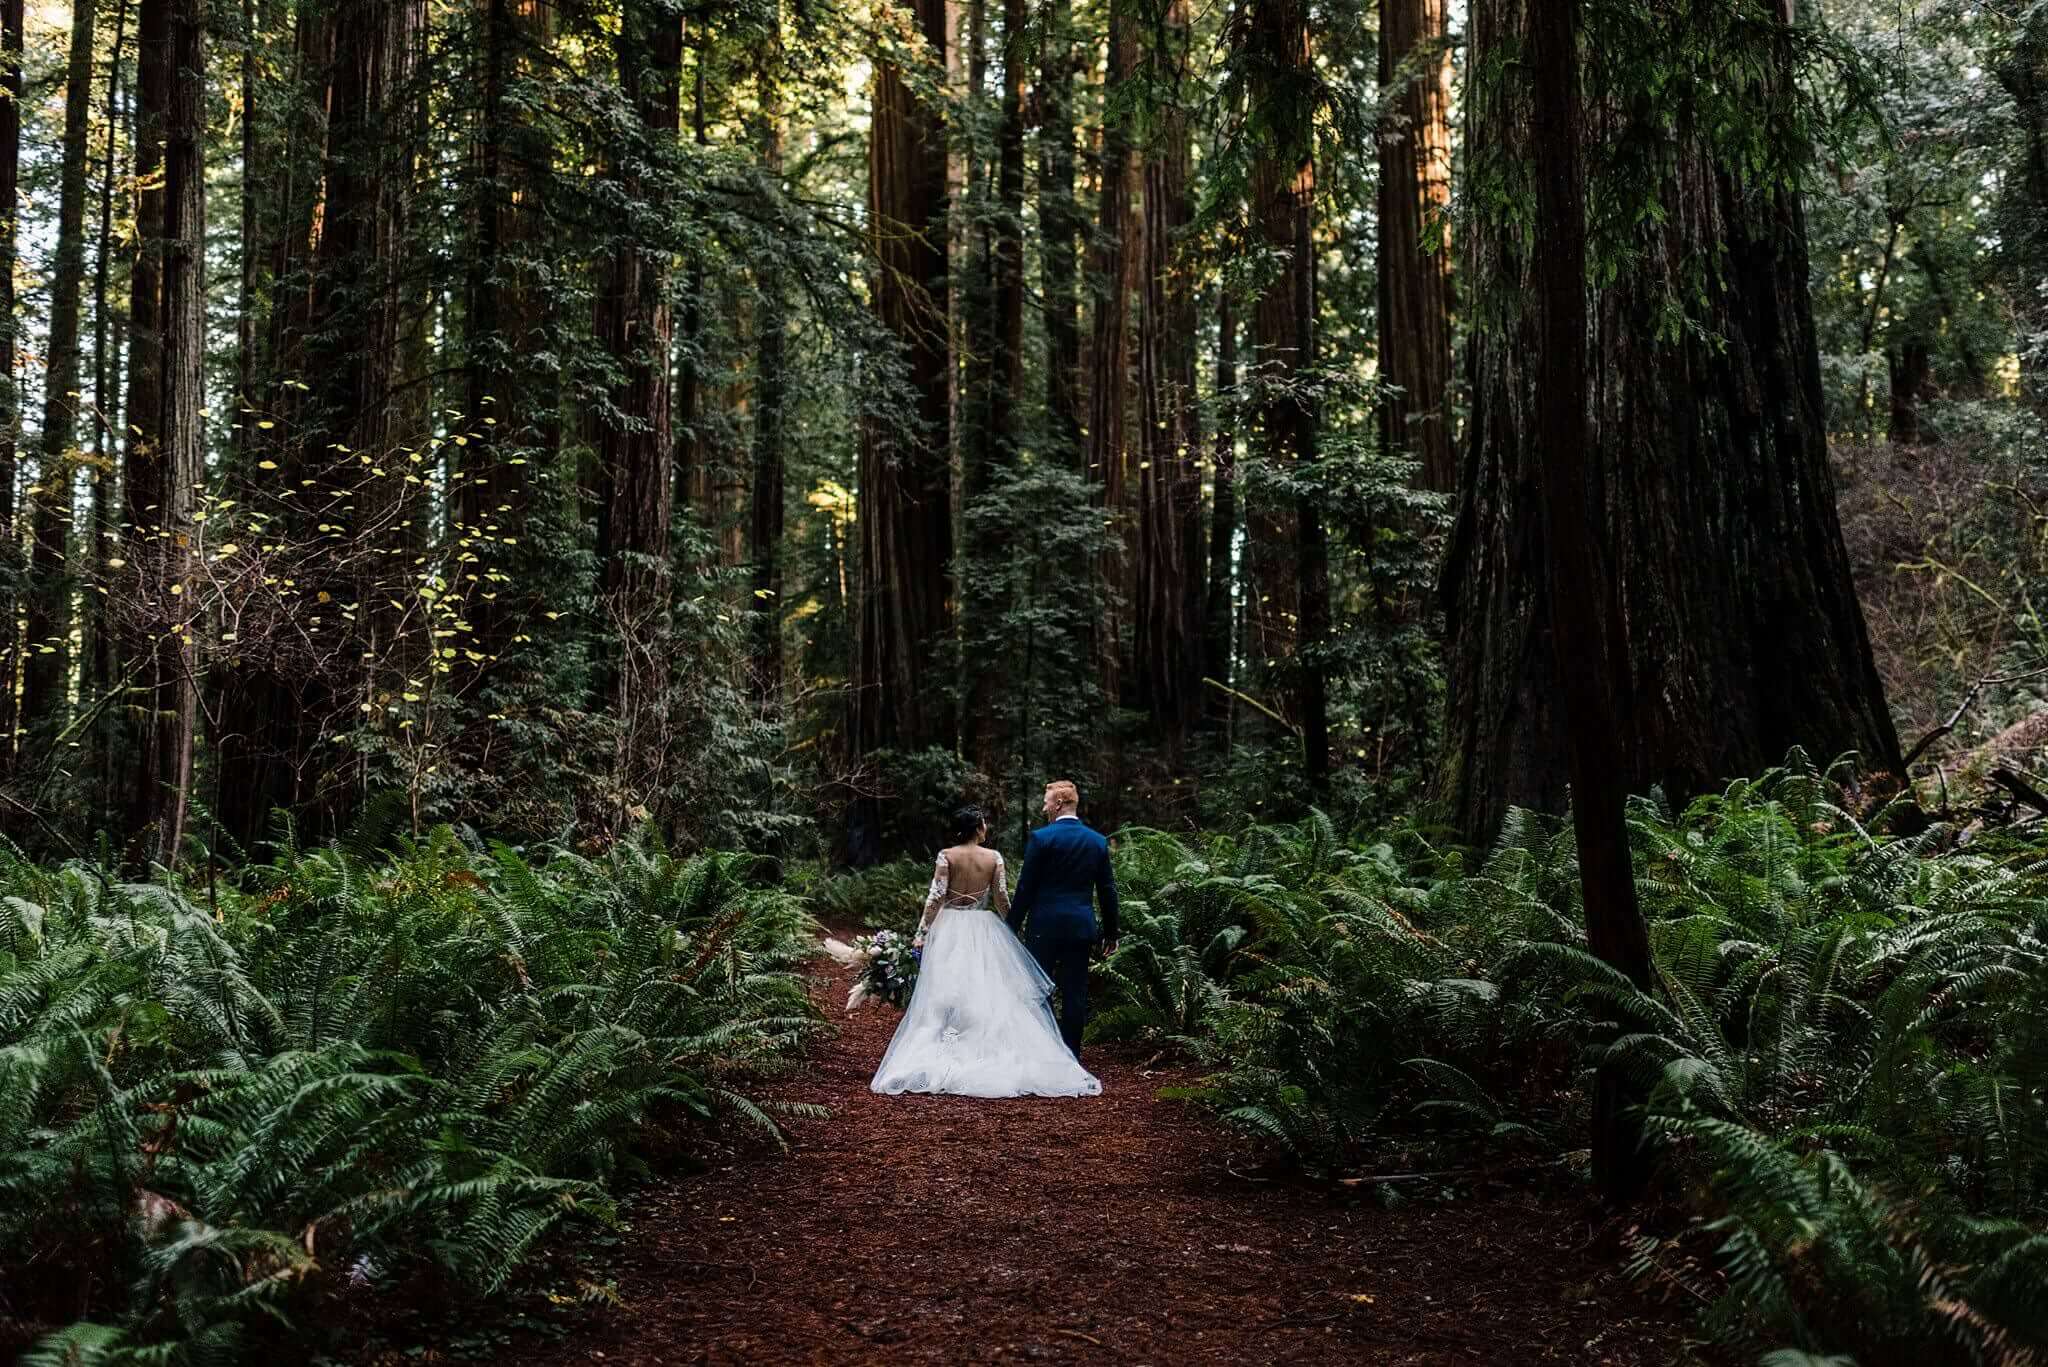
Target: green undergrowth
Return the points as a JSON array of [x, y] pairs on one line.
[[216, 1109], [1846, 1054]]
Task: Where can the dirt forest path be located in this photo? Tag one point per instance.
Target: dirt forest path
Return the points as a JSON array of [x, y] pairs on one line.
[[1103, 1230]]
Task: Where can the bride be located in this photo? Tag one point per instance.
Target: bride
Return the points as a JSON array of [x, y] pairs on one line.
[[980, 1021]]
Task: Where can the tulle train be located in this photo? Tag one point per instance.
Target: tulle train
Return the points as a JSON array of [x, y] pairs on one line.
[[980, 1020]]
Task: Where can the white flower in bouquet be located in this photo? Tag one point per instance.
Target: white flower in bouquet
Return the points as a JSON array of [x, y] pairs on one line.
[[853, 956]]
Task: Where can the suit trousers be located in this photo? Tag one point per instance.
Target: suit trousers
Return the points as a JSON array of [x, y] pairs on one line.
[[1065, 961]]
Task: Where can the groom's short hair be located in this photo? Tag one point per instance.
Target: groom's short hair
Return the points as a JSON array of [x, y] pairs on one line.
[[1063, 791]]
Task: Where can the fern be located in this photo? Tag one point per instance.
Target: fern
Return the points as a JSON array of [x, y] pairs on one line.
[[403, 1048]]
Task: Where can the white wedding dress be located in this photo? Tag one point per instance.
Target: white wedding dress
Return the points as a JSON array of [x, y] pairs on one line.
[[980, 1021]]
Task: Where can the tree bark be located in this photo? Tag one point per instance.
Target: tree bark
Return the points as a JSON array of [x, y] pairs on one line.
[[507, 395], [1060, 225], [1168, 599], [635, 445], [1006, 365], [106, 524], [1119, 231], [345, 328], [170, 452], [1743, 633], [1588, 643], [905, 497], [11, 16], [1217, 611], [251, 251], [45, 684], [693, 474], [765, 506], [1415, 278], [1289, 562]]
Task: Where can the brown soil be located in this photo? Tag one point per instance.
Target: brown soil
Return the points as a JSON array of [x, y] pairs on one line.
[[1116, 1229]]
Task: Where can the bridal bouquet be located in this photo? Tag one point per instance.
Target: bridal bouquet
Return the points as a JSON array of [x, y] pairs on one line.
[[887, 964]]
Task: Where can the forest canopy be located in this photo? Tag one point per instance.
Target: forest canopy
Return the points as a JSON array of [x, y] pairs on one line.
[[776, 422]]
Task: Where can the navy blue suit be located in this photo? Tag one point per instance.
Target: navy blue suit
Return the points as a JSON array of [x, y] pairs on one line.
[[1066, 873]]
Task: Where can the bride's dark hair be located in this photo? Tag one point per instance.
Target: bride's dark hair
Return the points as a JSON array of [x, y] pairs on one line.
[[967, 823]]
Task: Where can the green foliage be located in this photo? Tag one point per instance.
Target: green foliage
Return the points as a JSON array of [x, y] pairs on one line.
[[428, 1059], [1843, 1053], [882, 897]]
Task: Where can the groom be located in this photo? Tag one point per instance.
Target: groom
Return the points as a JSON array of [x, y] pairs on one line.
[[1066, 869]]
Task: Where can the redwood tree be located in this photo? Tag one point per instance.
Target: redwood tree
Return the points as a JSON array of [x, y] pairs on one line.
[[512, 431], [1167, 580], [1060, 224], [44, 682], [1414, 199], [765, 511], [1743, 633], [905, 495], [11, 14], [1289, 563], [1117, 249], [341, 327], [634, 444], [1587, 643], [166, 451], [1218, 607]]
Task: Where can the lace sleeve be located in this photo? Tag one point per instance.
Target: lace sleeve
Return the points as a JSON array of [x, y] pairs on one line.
[[1000, 889], [942, 874]]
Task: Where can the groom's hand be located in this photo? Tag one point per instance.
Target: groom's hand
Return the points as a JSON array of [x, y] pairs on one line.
[[1104, 948]]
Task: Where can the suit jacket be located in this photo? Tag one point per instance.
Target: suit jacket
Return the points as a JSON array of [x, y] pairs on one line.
[[1066, 871]]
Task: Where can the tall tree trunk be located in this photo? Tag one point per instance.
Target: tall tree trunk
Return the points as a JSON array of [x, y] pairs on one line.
[[245, 290], [992, 439], [106, 427], [296, 189], [638, 474], [145, 482], [358, 346], [1288, 560], [1167, 604], [166, 454], [1744, 636], [1006, 365], [342, 326], [1588, 645], [1414, 280], [1217, 611], [260, 741], [1118, 231], [905, 497], [693, 443], [49, 615], [1060, 224], [11, 14], [506, 393], [765, 507]]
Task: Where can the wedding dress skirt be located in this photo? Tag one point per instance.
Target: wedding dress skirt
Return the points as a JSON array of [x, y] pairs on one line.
[[980, 1021]]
